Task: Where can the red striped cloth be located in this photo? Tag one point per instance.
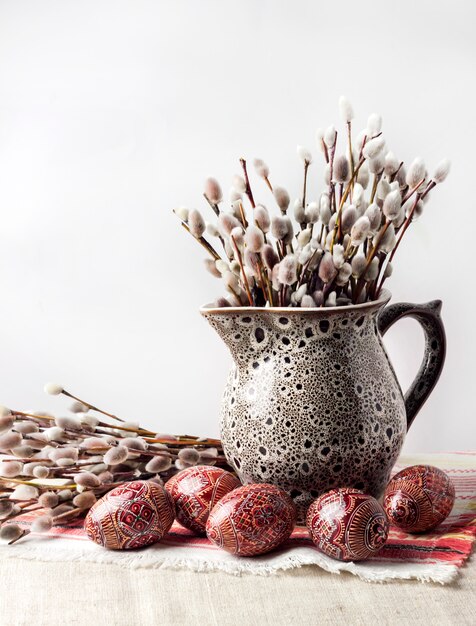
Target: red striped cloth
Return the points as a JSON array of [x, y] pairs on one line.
[[449, 545]]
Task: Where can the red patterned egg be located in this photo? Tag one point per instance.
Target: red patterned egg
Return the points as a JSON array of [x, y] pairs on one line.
[[252, 520], [419, 498], [347, 524], [196, 490], [133, 515]]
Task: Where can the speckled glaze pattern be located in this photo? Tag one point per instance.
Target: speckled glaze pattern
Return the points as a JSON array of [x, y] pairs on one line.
[[312, 401], [419, 498]]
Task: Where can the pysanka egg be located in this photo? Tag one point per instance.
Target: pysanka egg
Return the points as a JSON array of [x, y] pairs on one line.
[[133, 515], [252, 520], [347, 524], [196, 490], [419, 498]]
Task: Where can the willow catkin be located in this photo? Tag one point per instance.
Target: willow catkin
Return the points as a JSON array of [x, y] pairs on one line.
[[374, 215], [213, 191], [196, 223], [282, 198], [116, 456], [345, 272], [349, 217], [327, 270], [270, 257], [360, 230], [358, 265], [261, 217], [10, 469], [254, 239], [416, 173], [9, 440], [441, 171], [312, 213], [341, 169], [299, 211], [374, 124], [261, 168], [287, 273], [373, 147], [392, 204]]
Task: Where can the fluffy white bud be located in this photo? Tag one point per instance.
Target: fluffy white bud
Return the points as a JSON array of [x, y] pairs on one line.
[[374, 124], [196, 223], [442, 170], [327, 270], [182, 213], [282, 198], [338, 255], [341, 169], [312, 213], [344, 274], [360, 230], [254, 239], [287, 270], [373, 147], [374, 216], [53, 389], [261, 217], [239, 183], [307, 302], [261, 168], [358, 265], [304, 154], [391, 164], [330, 136], [392, 204], [372, 270], [299, 212], [416, 173], [213, 191], [346, 110]]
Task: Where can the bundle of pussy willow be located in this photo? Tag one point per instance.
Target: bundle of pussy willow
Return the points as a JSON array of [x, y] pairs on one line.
[[339, 250], [60, 466]]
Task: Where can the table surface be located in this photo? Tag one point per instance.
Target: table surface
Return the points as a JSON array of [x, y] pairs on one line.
[[34, 592]]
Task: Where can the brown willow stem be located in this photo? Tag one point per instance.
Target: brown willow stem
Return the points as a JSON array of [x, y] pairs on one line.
[[304, 187], [351, 155], [267, 181], [372, 253], [403, 230], [91, 406], [214, 206], [248, 191], [343, 199], [245, 279], [203, 242]]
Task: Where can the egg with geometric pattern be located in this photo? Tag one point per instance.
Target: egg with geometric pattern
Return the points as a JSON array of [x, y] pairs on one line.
[[347, 525], [419, 498], [133, 515], [252, 520], [196, 490]]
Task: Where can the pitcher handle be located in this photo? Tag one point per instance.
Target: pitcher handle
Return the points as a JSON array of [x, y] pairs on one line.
[[428, 316]]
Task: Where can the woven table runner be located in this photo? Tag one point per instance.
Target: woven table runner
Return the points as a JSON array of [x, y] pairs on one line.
[[435, 556]]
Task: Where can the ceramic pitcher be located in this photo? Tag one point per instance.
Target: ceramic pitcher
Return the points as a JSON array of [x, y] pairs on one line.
[[312, 401]]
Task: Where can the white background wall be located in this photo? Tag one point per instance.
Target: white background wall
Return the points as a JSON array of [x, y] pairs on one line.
[[113, 112]]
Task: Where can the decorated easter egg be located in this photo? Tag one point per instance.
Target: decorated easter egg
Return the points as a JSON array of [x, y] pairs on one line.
[[419, 498], [196, 490], [133, 515], [252, 520], [347, 524]]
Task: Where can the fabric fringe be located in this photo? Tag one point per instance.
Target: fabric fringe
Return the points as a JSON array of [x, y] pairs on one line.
[[271, 565]]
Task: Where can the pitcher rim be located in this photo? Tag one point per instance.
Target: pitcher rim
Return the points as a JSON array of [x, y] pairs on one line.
[[383, 299]]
